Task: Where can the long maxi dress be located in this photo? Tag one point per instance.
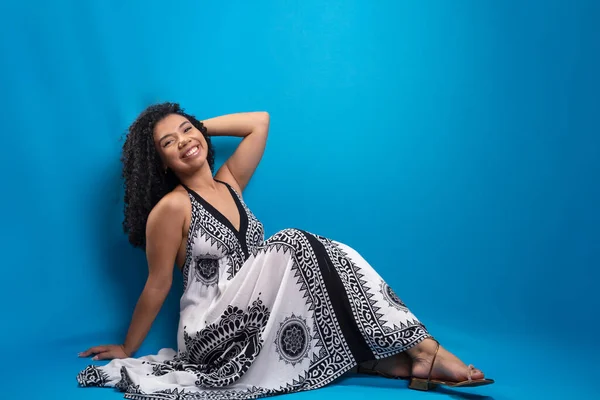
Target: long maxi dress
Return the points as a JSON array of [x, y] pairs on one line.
[[265, 317]]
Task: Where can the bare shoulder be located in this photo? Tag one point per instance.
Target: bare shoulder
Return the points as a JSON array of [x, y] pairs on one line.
[[171, 209], [164, 235]]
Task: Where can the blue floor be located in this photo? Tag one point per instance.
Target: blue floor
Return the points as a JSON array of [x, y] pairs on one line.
[[524, 368]]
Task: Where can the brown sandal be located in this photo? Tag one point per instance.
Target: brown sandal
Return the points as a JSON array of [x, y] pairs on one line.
[[427, 384]]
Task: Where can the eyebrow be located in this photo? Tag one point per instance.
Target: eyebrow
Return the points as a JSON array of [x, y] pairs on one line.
[[168, 134]]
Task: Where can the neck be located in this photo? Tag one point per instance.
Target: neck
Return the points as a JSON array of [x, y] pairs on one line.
[[200, 180]]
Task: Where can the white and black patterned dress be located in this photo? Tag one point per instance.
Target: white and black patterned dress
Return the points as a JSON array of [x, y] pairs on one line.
[[265, 317]]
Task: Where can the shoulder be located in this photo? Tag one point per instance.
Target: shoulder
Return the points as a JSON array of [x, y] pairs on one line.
[[172, 208]]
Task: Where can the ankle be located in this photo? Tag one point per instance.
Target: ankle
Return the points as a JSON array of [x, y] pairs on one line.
[[423, 350]]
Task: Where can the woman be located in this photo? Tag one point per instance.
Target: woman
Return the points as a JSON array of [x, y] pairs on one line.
[[258, 317]]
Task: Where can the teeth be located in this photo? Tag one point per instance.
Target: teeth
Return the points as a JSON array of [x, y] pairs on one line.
[[192, 151]]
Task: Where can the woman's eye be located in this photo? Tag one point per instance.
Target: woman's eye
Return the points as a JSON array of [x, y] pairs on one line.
[[168, 142], [187, 129]]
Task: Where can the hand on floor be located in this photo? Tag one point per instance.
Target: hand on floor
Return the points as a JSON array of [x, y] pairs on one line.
[[105, 352]]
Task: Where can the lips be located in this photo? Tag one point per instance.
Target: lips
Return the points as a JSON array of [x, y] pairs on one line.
[[192, 151]]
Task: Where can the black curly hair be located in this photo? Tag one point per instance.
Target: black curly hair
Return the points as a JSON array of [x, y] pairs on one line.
[[145, 180]]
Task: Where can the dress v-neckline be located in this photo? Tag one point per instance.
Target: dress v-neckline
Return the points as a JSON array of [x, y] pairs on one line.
[[240, 233], [219, 215]]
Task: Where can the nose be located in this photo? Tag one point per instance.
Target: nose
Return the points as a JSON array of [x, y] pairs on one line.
[[183, 142]]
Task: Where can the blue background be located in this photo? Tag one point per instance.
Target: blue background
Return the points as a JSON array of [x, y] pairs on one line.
[[455, 144]]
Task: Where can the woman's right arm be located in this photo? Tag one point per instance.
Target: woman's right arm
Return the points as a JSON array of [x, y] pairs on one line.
[[164, 233]]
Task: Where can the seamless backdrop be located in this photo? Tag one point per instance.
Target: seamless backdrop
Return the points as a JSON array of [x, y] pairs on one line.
[[455, 144]]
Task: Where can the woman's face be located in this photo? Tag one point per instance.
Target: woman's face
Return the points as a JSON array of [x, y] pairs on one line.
[[181, 146]]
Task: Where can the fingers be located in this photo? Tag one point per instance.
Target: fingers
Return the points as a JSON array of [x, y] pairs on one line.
[[106, 355], [106, 352], [93, 350]]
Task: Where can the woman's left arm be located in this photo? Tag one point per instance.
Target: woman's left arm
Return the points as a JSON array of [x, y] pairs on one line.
[[254, 128]]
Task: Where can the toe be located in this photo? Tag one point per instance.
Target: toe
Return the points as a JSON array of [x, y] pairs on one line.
[[475, 373]]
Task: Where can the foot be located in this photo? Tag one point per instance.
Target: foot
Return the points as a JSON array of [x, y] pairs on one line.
[[447, 367], [397, 366]]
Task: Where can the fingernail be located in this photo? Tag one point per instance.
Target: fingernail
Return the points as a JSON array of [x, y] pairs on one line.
[[95, 358]]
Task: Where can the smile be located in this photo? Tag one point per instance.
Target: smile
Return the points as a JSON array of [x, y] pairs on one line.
[[191, 152]]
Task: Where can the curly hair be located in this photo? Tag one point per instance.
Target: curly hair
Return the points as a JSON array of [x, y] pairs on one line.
[[145, 180]]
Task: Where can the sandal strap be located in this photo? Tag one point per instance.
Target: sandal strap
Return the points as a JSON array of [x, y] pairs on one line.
[[471, 368], [433, 361]]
